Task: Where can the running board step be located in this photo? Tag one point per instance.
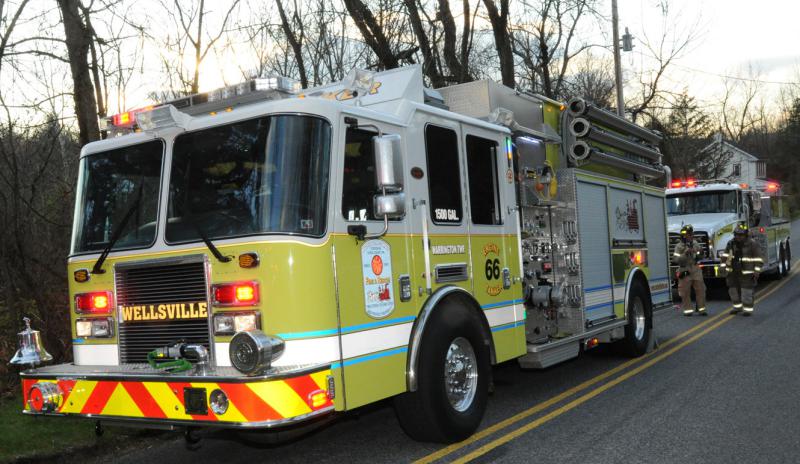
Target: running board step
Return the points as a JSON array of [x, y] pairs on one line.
[[542, 356]]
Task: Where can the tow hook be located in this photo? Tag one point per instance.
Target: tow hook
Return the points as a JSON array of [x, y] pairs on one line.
[[192, 437]]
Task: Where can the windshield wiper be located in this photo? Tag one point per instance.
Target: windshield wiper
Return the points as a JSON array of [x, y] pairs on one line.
[[214, 250], [98, 265]]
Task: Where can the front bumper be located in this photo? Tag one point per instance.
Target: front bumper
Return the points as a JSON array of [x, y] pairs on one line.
[[139, 393]]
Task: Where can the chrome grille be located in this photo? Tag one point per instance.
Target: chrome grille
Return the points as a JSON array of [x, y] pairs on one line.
[[155, 283], [701, 237]]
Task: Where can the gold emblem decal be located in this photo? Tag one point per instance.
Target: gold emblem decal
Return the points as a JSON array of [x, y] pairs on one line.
[[164, 312]]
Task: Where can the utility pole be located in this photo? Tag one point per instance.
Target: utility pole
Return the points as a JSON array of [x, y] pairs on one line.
[[617, 59]]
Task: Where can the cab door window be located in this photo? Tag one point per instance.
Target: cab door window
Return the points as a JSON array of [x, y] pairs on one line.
[[484, 190], [359, 183], [444, 178]]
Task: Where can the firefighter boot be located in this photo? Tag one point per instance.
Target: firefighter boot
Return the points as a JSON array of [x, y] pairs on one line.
[[685, 291], [700, 294], [747, 302], [735, 299]]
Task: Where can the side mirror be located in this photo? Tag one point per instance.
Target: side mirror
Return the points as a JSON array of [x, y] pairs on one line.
[[388, 166], [390, 206]]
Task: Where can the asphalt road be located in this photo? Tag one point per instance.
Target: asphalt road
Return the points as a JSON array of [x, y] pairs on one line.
[[718, 389]]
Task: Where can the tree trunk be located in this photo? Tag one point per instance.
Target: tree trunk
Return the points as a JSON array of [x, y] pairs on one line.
[[502, 40], [458, 70], [78, 40], [297, 47], [372, 33], [429, 67]]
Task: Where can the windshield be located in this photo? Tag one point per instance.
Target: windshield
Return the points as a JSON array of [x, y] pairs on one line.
[[266, 175], [113, 185], [702, 203]]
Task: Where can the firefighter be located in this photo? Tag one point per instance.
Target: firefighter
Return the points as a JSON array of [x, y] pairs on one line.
[[742, 263], [689, 274]]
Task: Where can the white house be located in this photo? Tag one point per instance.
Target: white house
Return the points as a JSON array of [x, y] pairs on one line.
[[741, 167]]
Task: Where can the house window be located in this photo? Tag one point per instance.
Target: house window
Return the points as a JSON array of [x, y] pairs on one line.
[[761, 169], [736, 170]]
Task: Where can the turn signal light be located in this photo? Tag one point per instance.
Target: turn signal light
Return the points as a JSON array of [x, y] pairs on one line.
[[236, 294], [318, 399], [94, 302]]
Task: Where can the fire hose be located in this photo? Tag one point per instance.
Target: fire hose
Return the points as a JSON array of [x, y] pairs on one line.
[[173, 358]]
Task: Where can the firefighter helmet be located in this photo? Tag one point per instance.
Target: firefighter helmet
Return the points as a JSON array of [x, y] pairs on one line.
[[741, 229], [687, 230]]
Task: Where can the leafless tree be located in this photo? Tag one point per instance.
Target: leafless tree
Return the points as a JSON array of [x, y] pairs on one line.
[[661, 52], [593, 79], [78, 37], [194, 38], [502, 39], [739, 112], [544, 40]]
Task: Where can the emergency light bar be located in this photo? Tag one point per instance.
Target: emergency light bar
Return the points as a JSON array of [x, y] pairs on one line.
[[173, 113]]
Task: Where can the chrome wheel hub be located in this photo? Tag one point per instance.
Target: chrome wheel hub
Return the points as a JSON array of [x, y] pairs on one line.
[[638, 319], [461, 374]]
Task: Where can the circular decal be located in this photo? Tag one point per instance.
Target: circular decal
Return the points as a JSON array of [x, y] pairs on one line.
[[377, 265]]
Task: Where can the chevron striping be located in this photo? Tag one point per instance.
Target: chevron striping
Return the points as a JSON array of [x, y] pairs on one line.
[[120, 403], [98, 397], [167, 401], [143, 399], [281, 397]]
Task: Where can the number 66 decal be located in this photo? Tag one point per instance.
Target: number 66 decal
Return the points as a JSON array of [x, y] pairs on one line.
[[492, 269]]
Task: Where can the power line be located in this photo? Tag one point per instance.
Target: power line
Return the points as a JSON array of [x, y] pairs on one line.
[[737, 78]]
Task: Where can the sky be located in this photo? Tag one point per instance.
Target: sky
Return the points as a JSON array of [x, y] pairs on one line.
[[733, 37], [738, 38]]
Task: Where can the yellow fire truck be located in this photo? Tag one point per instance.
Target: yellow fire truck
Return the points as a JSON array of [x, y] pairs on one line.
[[259, 256]]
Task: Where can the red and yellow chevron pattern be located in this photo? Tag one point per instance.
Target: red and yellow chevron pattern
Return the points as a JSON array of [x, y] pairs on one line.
[[249, 402]]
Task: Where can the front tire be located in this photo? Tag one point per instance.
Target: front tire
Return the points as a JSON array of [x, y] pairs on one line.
[[453, 383], [788, 255], [640, 321]]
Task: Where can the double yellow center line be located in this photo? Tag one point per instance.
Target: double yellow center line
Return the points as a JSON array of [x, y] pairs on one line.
[[644, 362]]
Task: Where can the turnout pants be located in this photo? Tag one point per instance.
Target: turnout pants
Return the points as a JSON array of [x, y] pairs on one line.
[[685, 285], [740, 289]]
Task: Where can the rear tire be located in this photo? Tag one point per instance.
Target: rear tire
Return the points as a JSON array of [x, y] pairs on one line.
[[640, 321], [453, 383]]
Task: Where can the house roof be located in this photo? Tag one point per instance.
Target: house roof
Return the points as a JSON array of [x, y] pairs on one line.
[[727, 145]]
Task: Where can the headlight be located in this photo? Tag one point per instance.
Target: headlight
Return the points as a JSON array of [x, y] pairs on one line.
[[252, 351], [231, 323], [98, 327], [218, 401]]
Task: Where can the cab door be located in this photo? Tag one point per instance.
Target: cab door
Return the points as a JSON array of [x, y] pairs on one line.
[[375, 303], [492, 226]]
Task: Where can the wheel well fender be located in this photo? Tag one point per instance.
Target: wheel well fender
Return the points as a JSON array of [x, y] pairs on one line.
[[638, 275], [435, 303]]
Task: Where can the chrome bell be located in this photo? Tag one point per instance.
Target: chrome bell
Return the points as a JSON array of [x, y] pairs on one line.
[[30, 349]]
